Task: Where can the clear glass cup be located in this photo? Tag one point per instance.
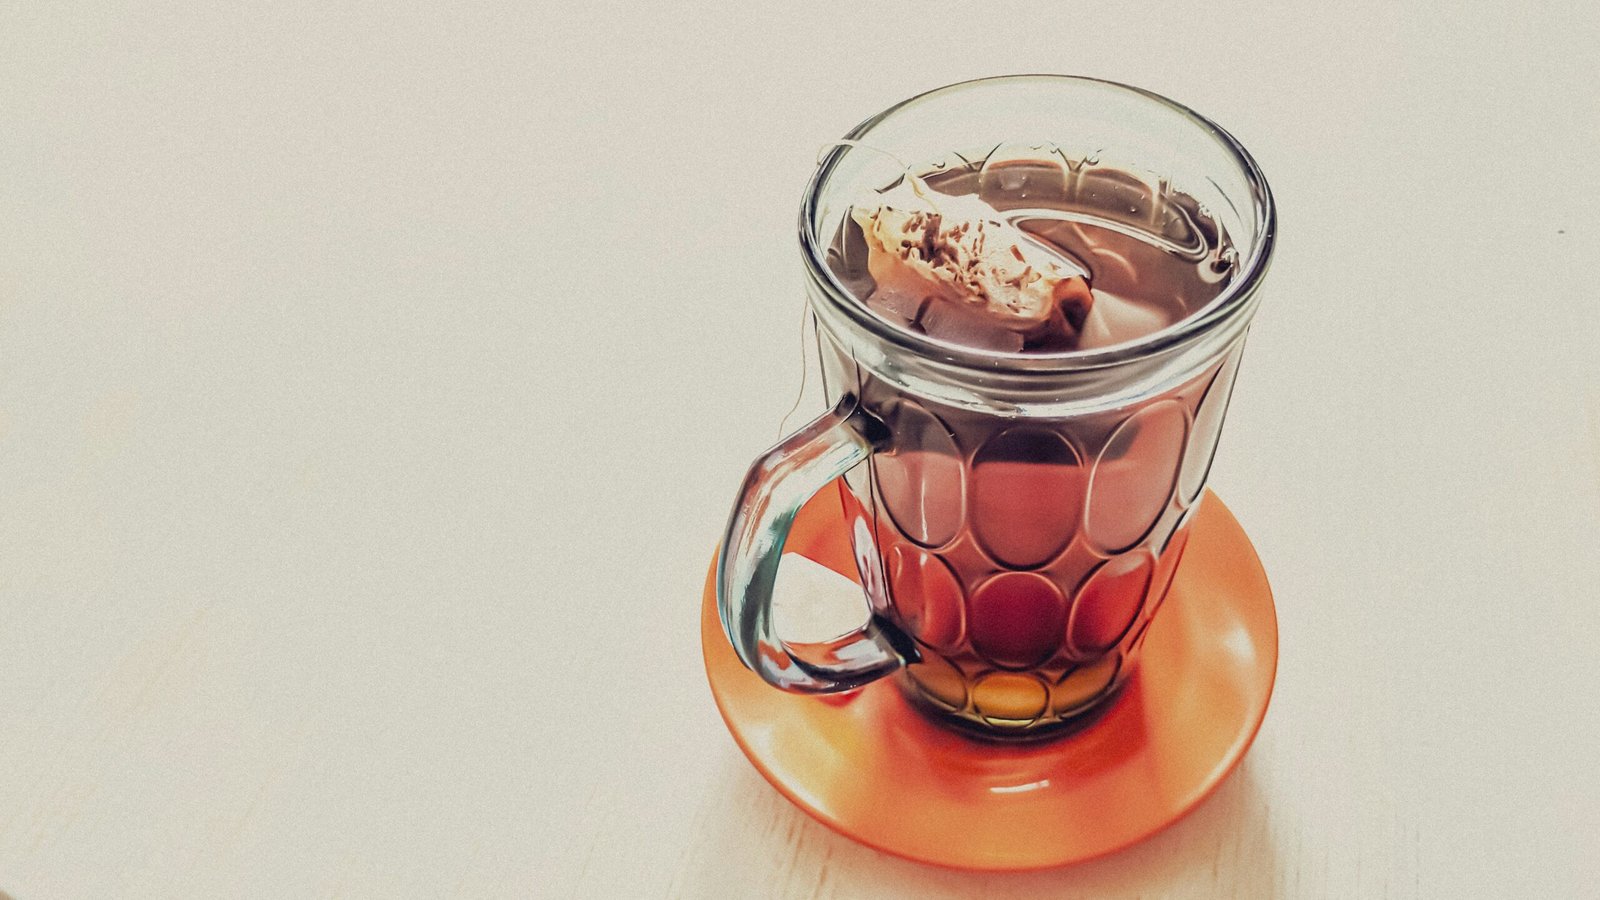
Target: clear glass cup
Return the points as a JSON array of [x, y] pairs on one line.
[[1016, 518]]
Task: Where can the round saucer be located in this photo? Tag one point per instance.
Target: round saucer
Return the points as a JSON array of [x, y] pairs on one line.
[[870, 766]]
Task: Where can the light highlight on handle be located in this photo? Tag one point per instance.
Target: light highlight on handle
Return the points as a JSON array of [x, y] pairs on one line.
[[774, 489]]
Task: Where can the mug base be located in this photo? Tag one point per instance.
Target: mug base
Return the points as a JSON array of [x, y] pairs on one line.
[[1019, 733]]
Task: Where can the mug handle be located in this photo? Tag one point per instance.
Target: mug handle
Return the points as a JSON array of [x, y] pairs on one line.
[[777, 485]]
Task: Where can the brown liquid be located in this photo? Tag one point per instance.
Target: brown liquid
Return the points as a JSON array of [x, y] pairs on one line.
[[1025, 555]]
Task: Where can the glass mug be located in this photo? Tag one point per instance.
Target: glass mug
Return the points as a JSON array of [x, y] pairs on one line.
[[1016, 518]]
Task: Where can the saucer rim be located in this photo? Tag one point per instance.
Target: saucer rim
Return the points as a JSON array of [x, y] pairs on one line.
[[1229, 761]]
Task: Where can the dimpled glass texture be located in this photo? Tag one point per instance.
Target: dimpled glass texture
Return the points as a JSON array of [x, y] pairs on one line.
[[1025, 556]]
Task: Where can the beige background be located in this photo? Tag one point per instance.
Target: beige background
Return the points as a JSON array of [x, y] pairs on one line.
[[374, 380]]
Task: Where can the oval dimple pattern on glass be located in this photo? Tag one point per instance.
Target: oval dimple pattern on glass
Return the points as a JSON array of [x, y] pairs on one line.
[[1134, 475], [1167, 566], [1084, 684], [940, 681], [927, 596], [1010, 699], [1138, 636], [1015, 619], [1207, 428], [921, 477], [1109, 601], [1027, 495]]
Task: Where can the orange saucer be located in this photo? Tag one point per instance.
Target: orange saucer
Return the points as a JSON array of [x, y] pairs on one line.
[[870, 766]]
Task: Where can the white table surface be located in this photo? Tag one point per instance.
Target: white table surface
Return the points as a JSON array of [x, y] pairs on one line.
[[375, 378]]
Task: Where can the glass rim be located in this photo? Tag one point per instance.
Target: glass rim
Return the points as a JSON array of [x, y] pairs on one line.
[[1231, 302]]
